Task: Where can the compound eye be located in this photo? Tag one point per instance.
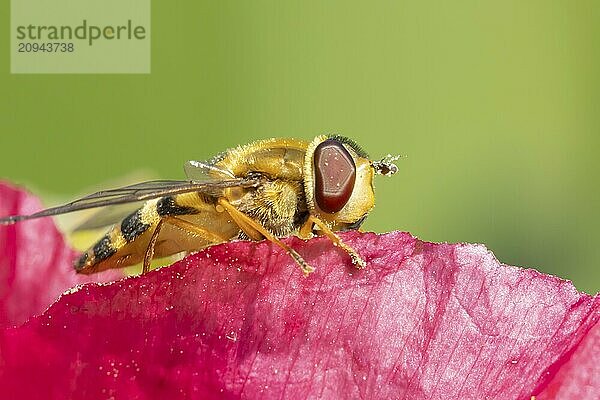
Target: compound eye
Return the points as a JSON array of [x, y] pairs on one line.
[[335, 173]]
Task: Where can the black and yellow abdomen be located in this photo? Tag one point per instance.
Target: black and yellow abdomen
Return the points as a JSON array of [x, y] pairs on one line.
[[125, 244]]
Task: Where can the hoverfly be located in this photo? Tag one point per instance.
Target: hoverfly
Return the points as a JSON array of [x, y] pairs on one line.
[[264, 190]]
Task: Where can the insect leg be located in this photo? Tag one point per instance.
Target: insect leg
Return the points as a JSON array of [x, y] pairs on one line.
[[195, 229], [356, 258], [256, 231], [182, 224], [150, 249], [306, 230]]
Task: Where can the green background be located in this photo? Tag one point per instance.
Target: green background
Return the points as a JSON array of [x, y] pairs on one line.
[[495, 105]]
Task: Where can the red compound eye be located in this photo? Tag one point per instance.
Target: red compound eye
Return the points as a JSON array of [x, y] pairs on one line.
[[335, 173]]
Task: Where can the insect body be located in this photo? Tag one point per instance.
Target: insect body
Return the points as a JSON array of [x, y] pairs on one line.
[[266, 189]]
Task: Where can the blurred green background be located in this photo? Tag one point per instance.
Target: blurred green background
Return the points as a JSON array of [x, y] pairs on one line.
[[495, 105]]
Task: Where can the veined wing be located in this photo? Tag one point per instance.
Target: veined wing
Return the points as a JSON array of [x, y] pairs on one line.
[[202, 171], [107, 216], [137, 192], [196, 171]]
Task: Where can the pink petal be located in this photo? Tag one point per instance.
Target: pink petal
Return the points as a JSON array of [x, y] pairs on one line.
[[579, 376], [35, 263], [422, 321]]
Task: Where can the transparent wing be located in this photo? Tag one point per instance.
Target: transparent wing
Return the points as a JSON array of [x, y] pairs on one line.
[[107, 216], [137, 192], [201, 171]]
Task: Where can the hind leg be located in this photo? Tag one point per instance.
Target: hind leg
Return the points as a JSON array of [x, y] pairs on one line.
[[182, 224]]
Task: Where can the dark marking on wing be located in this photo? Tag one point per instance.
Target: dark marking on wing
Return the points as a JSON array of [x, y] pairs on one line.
[[132, 226], [168, 206]]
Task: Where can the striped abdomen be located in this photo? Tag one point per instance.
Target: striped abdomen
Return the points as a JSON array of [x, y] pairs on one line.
[[126, 243]]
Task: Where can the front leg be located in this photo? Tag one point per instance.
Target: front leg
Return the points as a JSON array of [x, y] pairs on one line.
[[306, 231]]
